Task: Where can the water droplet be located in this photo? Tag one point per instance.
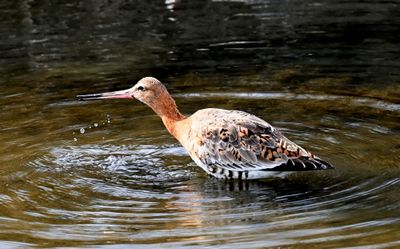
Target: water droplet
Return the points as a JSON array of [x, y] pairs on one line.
[[82, 130], [90, 127], [95, 124]]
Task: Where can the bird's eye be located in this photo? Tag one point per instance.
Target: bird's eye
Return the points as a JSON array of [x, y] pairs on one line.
[[140, 88]]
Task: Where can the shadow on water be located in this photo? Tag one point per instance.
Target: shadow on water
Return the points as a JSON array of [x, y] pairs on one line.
[[108, 175]]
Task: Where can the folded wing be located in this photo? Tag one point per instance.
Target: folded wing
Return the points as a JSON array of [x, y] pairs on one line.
[[247, 143]]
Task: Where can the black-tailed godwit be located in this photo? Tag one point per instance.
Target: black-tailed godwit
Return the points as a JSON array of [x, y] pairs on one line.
[[225, 143]]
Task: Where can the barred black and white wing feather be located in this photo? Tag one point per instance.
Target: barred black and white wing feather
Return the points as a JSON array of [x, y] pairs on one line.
[[235, 144]]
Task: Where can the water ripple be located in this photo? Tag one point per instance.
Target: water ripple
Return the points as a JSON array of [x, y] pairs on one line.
[[356, 101], [90, 194], [110, 157]]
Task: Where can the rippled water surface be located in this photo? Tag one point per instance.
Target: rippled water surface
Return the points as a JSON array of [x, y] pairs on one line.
[[107, 174]]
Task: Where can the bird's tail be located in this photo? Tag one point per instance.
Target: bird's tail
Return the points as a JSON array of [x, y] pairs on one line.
[[303, 164]]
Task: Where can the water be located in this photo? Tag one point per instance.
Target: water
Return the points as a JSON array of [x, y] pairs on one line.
[[107, 174]]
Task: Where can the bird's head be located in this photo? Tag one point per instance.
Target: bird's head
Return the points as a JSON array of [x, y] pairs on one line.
[[148, 90]]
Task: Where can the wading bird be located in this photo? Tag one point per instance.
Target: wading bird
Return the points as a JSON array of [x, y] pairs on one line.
[[227, 144]]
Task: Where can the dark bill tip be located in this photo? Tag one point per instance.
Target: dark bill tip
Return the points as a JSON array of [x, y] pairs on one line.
[[86, 97]]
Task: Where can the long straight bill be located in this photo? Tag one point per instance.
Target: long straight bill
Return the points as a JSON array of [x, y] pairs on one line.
[[123, 94]]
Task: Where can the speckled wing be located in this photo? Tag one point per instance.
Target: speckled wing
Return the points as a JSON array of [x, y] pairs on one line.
[[238, 141]]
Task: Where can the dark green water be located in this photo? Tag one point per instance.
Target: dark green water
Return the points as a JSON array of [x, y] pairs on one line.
[[108, 175]]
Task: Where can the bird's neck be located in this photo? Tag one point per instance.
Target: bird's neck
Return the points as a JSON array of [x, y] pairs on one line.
[[169, 113], [172, 125]]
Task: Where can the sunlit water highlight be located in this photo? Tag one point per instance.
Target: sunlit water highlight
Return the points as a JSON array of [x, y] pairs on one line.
[[368, 102]]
